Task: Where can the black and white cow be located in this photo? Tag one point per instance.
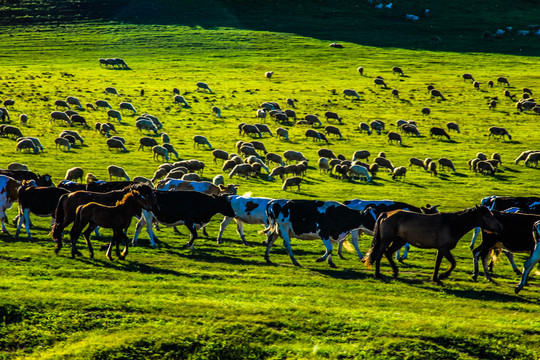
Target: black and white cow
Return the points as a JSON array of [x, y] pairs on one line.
[[40, 201], [249, 210], [20, 175], [516, 236], [190, 208], [376, 208], [329, 221]]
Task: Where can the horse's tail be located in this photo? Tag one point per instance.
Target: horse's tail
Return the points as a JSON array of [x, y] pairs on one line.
[[59, 216], [376, 250]]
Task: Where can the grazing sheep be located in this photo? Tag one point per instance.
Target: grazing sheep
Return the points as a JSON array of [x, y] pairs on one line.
[[525, 105], [384, 163], [116, 144], [146, 124], [382, 154], [252, 160], [452, 126], [117, 172], [436, 93], [492, 104], [248, 150], [352, 93], [426, 111], [74, 173], [377, 125], [532, 159], [61, 141], [111, 90], [177, 173], [360, 172], [342, 170], [176, 91], [70, 138], [248, 129], [115, 114], [360, 155], [291, 102], [23, 119], [498, 131], [128, 106], [179, 99], [282, 133], [476, 85], [269, 74], [524, 155], [142, 179], [4, 115], [70, 113], [490, 83], [26, 144], [445, 162], [364, 127], [485, 167], [437, 131], [395, 93], [409, 129], [17, 167], [257, 145], [481, 156], [394, 136], [59, 115], [360, 71], [467, 76], [324, 165], [261, 113], [417, 162], [216, 111], [35, 141], [502, 80], [172, 151], [220, 154], [203, 87], [61, 103], [472, 164], [201, 140], [312, 119], [78, 119], [277, 171], [315, 135], [293, 181], [160, 151], [242, 169], [191, 177], [270, 105], [274, 158], [380, 81], [291, 155], [146, 142], [218, 180], [528, 91], [74, 101], [11, 131], [91, 178], [103, 104], [430, 87], [399, 172], [332, 115], [432, 168], [397, 70], [104, 129], [326, 153], [90, 106], [496, 156], [509, 95], [264, 129]]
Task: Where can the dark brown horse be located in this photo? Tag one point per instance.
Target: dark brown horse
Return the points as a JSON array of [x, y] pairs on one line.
[[440, 231], [117, 217]]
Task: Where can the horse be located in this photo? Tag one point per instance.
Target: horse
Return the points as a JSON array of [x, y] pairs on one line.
[[117, 217], [533, 260], [440, 231]]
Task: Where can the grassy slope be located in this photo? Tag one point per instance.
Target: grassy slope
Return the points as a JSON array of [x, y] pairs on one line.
[[223, 301]]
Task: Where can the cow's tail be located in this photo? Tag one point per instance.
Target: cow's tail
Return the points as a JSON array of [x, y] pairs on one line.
[[59, 215], [377, 247]]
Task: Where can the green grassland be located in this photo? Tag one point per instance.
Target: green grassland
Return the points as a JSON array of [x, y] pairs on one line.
[[223, 301]]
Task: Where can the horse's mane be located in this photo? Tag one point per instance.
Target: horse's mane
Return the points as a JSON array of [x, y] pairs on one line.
[[126, 197]]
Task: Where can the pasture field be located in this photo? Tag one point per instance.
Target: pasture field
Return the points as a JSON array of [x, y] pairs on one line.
[[223, 301]]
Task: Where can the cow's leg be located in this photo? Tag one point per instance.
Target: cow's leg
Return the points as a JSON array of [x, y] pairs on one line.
[[193, 231], [448, 255], [222, 227], [287, 245], [270, 239], [4, 219], [475, 235], [24, 216], [240, 231], [328, 254]]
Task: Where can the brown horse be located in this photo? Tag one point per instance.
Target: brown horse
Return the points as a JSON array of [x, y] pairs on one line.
[[116, 217], [439, 231]]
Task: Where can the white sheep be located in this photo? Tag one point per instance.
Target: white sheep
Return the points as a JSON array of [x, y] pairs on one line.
[[146, 124], [23, 119], [117, 171], [269, 74], [27, 144], [61, 141], [128, 106], [291, 155], [216, 111], [201, 140], [293, 181], [103, 104], [282, 133], [115, 114], [218, 180], [160, 151], [74, 174], [74, 101], [360, 172], [17, 167], [203, 86], [116, 144]]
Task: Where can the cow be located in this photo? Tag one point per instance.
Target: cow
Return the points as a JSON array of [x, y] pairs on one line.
[[376, 207], [329, 221], [41, 201], [531, 261], [190, 208], [8, 195], [249, 210], [199, 186], [20, 175]]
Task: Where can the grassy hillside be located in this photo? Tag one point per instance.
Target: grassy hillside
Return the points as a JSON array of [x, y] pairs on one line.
[[224, 301]]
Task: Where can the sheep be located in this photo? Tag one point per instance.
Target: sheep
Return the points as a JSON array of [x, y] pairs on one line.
[[160, 151], [91, 178], [23, 119], [26, 144], [70, 113], [220, 154], [485, 167], [248, 150], [4, 115], [17, 167], [61, 103], [294, 181], [498, 131], [74, 173], [526, 96], [360, 155], [528, 91], [128, 106], [360, 172], [426, 111], [382, 154], [452, 126], [490, 83], [417, 162], [332, 115], [476, 85], [326, 153], [11, 131], [70, 138], [90, 106], [502, 80], [78, 119], [146, 124], [364, 127], [179, 99], [282, 133], [312, 119], [257, 145], [111, 90], [142, 179], [352, 93], [324, 165], [395, 93], [274, 158], [191, 177], [74, 101], [253, 160], [261, 114], [525, 105], [409, 129], [473, 163], [430, 87], [481, 156], [532, 158], [394, 136], [436, 93], [291, 155], [59, 115], [432, 168], [291, 102], [380, 81], [397, 70], [242, 169], [384, 163], [35, 141], [176, 91], [445, 162], [437, 131], [399, 172], [177, 173], [117, 172], [264, 129], [203, 87], [216, 111], [377, 125], [116, 144], [104, 129], [496, 156], [248, 129], [201, 140], [509, 95], [270, 105], [360, 70], [467, 76], [146, 141], [269, 74], [115, 114], [317, 136], [61, 141], [103, 104]]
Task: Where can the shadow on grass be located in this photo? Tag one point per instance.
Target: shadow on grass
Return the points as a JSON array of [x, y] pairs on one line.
[[344, 274], [486, 295]]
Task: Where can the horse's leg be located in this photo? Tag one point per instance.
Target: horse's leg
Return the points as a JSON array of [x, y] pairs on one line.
[[528, 266], [328, 254], [204, 231], [396, 244], [124, 253], [448, 255], [86, 234], [74, 235], [510, 257], [435, 277]]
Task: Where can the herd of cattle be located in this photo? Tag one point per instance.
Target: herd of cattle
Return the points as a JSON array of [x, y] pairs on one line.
[[510, 223]]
